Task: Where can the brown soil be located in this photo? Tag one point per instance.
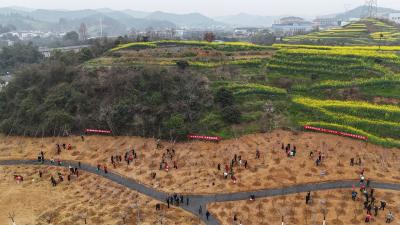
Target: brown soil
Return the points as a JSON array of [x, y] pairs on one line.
[[35, 201], [197, 161], [337, 204]]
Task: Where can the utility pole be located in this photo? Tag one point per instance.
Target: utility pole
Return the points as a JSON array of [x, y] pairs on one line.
[[371, 8], [101, 26]]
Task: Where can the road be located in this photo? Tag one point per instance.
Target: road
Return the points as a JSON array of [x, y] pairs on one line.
[[195, 201]]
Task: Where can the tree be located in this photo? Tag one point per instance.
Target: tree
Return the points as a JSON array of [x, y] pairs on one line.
[[85, 54], [231, 114], [209, 36], [263, 38], [182, 64], [175, 124], [11, 216], [71, 36], [19, 54], [224, 97]]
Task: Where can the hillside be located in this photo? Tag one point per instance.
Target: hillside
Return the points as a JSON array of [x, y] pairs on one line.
[[327, 86], [363, 32], [191, 20], [360, 12], [168, 89]]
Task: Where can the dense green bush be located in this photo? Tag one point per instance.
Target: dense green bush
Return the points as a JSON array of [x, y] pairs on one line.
[[231, 114], [54, 98]]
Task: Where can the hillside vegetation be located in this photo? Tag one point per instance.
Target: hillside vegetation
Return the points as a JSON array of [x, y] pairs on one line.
[[364, 32], [171, 88]]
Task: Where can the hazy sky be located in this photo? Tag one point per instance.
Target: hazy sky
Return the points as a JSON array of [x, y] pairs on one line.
[[207, 7]]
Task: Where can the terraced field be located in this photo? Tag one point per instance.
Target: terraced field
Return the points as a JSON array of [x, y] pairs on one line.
[[364, 32], [353, 88], [336, 88]]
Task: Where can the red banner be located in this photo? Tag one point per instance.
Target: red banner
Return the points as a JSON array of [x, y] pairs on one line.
[[201, 137], [323, 130], [98, 131]]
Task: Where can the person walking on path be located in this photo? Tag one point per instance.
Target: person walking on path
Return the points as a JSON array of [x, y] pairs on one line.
[[105, 169], [187, 200], [200, 210], [207, 214]]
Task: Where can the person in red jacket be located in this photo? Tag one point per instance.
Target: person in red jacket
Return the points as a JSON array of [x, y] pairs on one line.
[[105, 169]]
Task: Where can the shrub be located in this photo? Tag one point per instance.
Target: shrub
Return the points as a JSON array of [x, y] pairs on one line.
[[231, 114]]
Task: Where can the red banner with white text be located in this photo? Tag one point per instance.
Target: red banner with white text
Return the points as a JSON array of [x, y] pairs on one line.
[[323, 130], [94, 131], [206, 138]]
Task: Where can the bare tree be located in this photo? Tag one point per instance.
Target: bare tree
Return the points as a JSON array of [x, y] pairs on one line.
[[161, 217], [11, 216], [84, 217]]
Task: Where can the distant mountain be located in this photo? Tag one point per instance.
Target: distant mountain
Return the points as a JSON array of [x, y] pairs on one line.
[[12, 9], [138, 23], [191, 20], [247, 20], [360, 12], [114, 22], [23, 22], [54, 16], [136, 14]]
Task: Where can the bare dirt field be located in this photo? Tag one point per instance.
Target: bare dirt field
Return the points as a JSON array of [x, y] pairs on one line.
[[35, 201], [339, 209], [197, 161]]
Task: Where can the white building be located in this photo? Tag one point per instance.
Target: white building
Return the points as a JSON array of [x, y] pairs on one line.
[[395, 17], [288, 26]]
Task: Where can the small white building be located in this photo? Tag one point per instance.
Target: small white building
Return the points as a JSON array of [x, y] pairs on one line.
[[395, 17]]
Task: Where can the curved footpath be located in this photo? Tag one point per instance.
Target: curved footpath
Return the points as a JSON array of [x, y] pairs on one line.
[[202, 200]]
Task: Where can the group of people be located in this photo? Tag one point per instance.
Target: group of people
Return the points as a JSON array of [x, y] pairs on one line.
[[129, 156], [176, 200], [73, 171], [236, 161], [168, 156], [319, 159], [290, 152], [64, 146], [370, 202], [99, 167]]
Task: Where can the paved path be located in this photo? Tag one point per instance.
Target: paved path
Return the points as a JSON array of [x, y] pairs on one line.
[[202, 200]]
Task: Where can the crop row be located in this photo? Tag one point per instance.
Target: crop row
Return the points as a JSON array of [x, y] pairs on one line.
[[388, 142], [223, 46], [370, 121], [248, 89]]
